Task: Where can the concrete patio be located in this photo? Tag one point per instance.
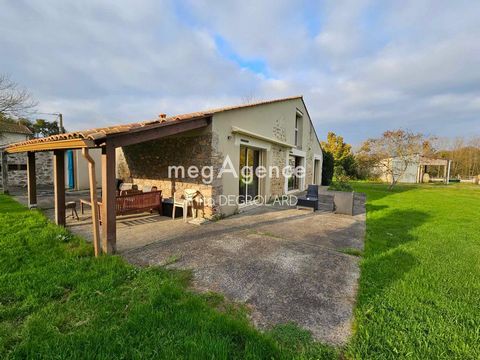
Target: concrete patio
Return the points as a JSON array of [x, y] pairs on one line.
[[285, 264]]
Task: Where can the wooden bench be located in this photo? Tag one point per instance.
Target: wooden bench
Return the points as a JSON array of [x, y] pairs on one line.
[[137, 202]]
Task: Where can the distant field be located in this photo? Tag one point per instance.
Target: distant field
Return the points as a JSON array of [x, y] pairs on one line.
[[420, 282]]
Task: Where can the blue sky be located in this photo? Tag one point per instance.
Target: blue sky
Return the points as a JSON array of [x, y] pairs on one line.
[[362, 66]]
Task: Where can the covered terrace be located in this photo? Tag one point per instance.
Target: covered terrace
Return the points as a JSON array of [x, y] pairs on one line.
[[108, 139]]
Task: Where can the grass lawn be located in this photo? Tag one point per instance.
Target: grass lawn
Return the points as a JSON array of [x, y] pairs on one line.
[[57, 301], [419, 291]]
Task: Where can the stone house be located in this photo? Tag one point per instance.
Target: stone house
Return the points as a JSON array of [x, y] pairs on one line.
[[17, 163], [271, 134]]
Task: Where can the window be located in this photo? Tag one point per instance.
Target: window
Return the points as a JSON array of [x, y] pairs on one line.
[[293, 180], [298, 129], [15, 167], [248, 184]]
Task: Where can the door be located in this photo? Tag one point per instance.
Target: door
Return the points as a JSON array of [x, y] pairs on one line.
[[248, 184], [316, 172], [70, 167]]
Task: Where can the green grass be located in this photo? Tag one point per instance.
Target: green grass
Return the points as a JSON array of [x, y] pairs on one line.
[[419, 293], [57, 301]]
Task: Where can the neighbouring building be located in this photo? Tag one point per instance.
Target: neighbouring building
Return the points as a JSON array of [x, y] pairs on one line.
[[76, 172], [272, 134], [11, 133], [17, 163], [420, 170]]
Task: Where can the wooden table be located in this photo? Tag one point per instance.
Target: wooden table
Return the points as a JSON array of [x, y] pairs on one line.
[[86, 202]]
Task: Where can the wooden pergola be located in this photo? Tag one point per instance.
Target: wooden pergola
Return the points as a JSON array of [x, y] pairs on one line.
[[425, 161], [108, 139]]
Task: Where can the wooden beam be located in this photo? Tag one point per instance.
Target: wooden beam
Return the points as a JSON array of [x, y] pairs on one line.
[[165, 129], [59, 184], [31, 180], [109, 226], [50, 145], [93, 200], [4, 164]]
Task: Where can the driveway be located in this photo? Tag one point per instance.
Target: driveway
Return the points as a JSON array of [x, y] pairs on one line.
[[287, 265]]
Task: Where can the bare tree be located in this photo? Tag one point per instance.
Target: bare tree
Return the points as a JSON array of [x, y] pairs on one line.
[[14, 100], [394, 152]]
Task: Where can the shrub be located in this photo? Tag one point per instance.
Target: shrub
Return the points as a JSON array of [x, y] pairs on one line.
[[327, 169], [340, 186], [341, 180]]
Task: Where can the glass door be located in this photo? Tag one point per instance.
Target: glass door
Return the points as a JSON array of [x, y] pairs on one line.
[[248, 184], [293, 180]]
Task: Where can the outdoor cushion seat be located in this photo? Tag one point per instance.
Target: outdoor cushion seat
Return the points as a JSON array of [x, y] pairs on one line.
[[127, 186], [310, 200], [147, 188]]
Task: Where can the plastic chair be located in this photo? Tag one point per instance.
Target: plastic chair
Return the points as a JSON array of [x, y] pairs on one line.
[[184, 202]]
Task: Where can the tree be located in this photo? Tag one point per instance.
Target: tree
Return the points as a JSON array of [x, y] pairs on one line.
[[45, 128], [465, 156], [39, 128], [341, 151], [14, 100], [327, 168], [394, 152]]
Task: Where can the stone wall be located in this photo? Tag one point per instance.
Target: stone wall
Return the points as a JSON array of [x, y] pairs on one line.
[[277, 184], [17, 163], [147, 164], [309, 157]]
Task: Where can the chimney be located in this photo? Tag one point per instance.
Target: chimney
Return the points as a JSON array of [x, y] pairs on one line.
[[162, 116]]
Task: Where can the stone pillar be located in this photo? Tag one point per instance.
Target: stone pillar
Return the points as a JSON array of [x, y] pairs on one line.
[[4, 164]]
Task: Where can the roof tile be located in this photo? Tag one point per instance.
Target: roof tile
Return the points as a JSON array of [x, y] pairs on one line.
[[100, 133]]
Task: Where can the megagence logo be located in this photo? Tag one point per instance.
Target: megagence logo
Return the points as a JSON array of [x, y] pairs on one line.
[[247, 173]]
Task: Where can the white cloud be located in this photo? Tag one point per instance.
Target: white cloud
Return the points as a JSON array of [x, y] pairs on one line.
[[363, 66]]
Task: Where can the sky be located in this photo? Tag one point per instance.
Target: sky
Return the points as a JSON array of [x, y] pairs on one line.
[[362, 66]]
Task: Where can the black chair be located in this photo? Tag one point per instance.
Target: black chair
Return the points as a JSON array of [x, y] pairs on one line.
[[310, 200]]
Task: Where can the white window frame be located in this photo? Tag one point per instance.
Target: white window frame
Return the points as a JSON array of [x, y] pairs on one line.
[[303, 155]]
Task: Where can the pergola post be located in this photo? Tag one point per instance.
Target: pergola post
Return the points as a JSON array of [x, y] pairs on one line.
[[59, 184], [109, 226], [93, 200], [31, 180], [4, 163]]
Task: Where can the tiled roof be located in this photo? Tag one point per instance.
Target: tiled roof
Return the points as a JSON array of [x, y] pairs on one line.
[[98, 134], [14, 128], [235, 107]]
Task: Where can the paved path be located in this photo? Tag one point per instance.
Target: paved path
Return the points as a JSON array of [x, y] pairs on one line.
[[285, 264]]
